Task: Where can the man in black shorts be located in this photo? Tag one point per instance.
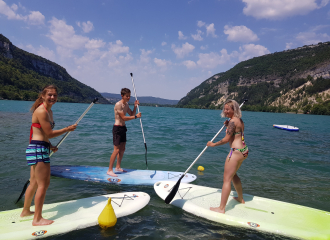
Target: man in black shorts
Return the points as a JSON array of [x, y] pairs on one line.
[[119, 129]]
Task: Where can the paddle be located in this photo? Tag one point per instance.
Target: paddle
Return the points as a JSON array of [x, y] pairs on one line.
[[59, 143], [145, 144], [171, 195]]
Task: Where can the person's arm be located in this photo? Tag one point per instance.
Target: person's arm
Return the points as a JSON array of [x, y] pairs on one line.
[[229, 133], [45, 125], [129, 111]]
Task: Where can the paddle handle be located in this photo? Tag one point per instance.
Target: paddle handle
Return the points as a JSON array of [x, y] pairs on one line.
[[79, 119], [211, 141]]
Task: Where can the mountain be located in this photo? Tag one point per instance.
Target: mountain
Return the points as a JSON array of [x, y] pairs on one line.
[[296, 80], [113, 98], [23, 75]]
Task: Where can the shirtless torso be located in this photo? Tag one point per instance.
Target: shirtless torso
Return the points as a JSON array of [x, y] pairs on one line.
[[121, 108]]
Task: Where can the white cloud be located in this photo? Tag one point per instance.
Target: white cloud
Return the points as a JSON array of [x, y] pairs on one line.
[[288, 45], [212, 59], [181, 36], [14, 7], [144, 57], [42, 51], [189, 64], [94, 44], [210, 30], [9, 12], [36, 18], [240, 34], [204, 47], [118, 48], [64, 36], [86, 26], [198, 36], [163, 64], [164, 43], [308, 38], [249, 51], [200, 24], [184, 50], [279, 9]]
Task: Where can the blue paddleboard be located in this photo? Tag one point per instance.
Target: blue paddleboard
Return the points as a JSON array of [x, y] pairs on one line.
[[131, 176], [286, 127]]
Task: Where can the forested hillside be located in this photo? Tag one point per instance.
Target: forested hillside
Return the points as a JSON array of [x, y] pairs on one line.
[[23, 75], [295, 80]]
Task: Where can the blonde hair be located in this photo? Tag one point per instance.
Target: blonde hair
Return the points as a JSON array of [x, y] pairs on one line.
[[41, 94], [234, 105]]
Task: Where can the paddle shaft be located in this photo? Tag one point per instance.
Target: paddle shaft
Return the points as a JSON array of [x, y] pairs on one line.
[[82, 115]]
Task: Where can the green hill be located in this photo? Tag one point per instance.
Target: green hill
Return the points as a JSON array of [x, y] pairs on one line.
[[295, 80], [23, 75]]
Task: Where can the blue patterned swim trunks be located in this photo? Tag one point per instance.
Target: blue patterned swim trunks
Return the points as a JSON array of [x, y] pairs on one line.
[[37, 151]]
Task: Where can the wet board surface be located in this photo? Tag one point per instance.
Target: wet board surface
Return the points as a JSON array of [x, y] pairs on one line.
[[132, 176], [69, 216], [257, 213]]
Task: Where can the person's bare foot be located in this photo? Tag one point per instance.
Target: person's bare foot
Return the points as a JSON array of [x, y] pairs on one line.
[[26, 212], [239, 200], [217, 209], [120, 170], [42, 222], [111, 173]]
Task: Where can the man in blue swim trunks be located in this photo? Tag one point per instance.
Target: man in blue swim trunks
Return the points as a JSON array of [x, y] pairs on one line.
[[119, 129]]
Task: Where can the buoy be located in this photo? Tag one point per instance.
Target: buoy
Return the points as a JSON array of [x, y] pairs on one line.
[[200, 168], [107, 217]]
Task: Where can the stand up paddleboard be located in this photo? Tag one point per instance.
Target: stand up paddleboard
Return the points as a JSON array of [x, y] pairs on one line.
[[257, 213], [131, 176], [286, 127], [69, 216]]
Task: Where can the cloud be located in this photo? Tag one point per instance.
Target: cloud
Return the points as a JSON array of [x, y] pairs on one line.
[[200, 24], [280, 9], [249, 51], [240, 34], [35, 18], [198, 36], [189, 64], [183, 51], [308, 38], [94, 44], [164, 43], [210, 30], [181, 36], [86, 26], [204, 47], [144, 57], [162, 63], [118, 48], [288, 45], [212, 60], [42, 51]]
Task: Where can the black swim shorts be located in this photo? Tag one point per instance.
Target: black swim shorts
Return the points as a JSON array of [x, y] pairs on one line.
[[119, 134]]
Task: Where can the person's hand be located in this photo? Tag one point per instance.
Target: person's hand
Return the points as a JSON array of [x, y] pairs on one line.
[[72, 127], [136, 103], [138, 115], [226, 123], [210, 144], [54, 149]]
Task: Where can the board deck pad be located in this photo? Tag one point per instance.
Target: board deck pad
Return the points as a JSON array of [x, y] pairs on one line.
[[131, 176], [257, 213], [69, 216]]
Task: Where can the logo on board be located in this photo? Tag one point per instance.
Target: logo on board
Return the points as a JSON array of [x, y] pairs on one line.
[[39, 233], [114, 180], [253, 224]]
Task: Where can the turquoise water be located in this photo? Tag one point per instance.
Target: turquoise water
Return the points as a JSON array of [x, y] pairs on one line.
[[288, 166]]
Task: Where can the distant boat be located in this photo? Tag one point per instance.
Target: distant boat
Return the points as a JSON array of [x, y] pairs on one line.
[[286, 127]]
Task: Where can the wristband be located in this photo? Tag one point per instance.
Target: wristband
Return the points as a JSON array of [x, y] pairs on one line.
[[135, 117]]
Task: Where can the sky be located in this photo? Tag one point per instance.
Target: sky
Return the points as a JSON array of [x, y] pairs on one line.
[[170, 46]]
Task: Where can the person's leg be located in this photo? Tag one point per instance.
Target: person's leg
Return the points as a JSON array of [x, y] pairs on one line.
[[238, 185], [42, 175], [29, 194], [120, 156], [112, 160], [229, 172]]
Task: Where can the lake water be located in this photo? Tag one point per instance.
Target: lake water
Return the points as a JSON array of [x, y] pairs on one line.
[[288, 166]]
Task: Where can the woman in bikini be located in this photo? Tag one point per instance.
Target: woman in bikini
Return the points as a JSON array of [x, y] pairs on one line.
[[238, 153], [37, 153]]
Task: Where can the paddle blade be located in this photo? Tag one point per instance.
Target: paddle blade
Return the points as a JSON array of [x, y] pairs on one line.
[[145, 145], [171, 195], [23, 191]]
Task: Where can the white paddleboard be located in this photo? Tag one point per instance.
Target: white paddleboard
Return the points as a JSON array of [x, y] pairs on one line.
[[257, 213], [69, 216], [286, 127]]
